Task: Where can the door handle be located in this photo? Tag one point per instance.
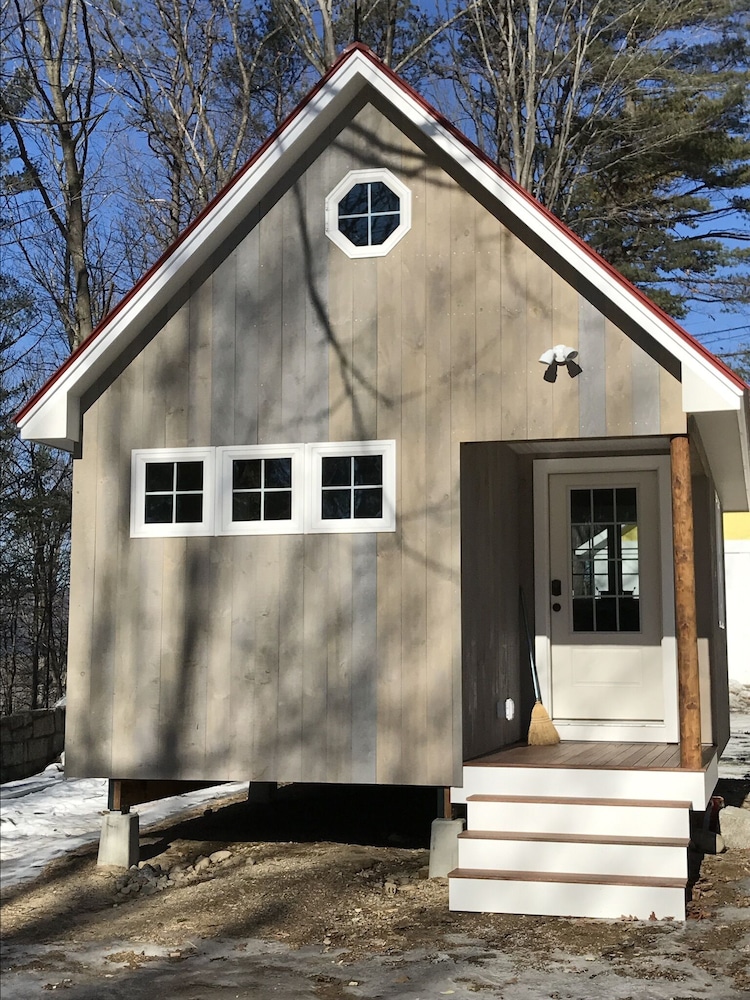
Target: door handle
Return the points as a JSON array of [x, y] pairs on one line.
[[556, 588]]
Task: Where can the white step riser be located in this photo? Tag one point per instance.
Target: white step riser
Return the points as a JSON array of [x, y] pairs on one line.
[[569, 818], [565, 900], [588, 859], [586, 784]]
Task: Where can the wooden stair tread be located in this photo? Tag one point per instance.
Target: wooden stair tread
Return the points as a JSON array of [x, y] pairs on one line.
[[568, 878], [575, 838], [574, 755], [564, 800]]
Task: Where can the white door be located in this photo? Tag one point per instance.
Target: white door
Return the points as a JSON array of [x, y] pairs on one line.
[[605, 599]]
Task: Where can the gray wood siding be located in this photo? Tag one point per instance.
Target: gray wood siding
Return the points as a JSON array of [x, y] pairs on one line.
[[493, 643], [325, 657]]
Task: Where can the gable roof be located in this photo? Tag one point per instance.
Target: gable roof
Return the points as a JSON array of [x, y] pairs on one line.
[[53, 414]]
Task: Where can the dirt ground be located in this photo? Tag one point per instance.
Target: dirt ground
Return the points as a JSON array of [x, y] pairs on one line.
[[341, 876]]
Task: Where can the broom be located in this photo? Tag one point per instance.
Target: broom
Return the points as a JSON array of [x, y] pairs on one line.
[[541, 731]]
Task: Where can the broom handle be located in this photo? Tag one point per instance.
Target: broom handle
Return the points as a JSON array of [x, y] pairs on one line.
[[535, 679]]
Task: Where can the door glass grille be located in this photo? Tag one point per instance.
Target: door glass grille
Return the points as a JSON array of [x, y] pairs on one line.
[[604, 560]]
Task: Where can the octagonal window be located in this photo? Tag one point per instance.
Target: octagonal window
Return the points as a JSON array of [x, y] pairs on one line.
[[367, 213]]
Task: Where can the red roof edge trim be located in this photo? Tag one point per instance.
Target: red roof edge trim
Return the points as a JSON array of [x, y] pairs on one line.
[[440, 119], [190, 228]]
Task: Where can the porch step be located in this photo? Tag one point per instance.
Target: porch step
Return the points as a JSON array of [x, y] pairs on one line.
[[585, 854], [609, 855], [566, 894], [610, 782], [580, 816]]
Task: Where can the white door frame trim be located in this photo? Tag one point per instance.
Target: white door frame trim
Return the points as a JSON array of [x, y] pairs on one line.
[[666, 731]]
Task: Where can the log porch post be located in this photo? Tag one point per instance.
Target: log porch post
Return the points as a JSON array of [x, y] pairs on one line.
[[685, 607]]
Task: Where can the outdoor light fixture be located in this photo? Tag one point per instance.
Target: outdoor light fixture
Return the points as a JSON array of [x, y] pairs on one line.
[[560, 355]]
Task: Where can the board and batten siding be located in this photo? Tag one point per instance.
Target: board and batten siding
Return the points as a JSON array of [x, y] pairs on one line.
[[324, 657]]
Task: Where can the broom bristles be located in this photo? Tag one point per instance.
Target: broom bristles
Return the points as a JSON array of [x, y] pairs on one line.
[[541, 731]]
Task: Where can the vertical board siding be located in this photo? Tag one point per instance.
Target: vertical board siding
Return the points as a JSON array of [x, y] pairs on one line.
[[416, 751], [242, 651], [644, 389], [441, 496], [219, 681], [592, 382], [110, 509], [224, 351], [566, 408], [247, 341], [291, 654], [672, 418], [146, 593], [270, 342], [514, 381], [331, 657], [619, 388], [364, 731], [127, 606], [490, 605], [540, 397], [82, 663], [487, 282], [390, 544], [314, 666]]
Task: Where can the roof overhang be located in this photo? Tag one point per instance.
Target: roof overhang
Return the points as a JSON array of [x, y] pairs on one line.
[[53, 415]]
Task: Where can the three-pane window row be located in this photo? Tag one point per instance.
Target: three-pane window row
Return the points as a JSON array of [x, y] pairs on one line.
[[267, 490]]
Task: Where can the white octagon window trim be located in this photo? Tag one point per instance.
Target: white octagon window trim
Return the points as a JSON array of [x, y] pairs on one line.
[[368, 214], [174, 502], [351, 487], [260, 489]]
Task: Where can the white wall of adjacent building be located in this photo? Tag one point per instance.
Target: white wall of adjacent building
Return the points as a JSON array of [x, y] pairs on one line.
[[737, 570]]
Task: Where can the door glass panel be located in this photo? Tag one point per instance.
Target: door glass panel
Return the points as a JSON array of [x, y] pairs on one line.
[[604, 560]]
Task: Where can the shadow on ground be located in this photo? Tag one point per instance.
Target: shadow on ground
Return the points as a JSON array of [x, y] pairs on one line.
[[342, 814]]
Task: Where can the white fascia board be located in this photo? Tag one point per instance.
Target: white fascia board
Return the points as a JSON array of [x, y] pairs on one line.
[[55, 423], [725, 438], [55, 418]]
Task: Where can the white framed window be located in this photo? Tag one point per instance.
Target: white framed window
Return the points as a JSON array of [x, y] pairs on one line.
[[172, 492], [260, 489], [346, 486], [368, 212], [351, 486]]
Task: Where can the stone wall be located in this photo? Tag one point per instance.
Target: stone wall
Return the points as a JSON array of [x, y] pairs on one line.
[[29, 741]]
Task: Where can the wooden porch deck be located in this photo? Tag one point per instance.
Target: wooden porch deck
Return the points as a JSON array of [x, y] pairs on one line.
[[574, 754]]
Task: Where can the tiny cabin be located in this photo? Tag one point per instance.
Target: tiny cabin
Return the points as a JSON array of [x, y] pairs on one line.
[[373, 405]]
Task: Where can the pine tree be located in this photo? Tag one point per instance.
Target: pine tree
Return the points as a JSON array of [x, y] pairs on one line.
[[629, 121]]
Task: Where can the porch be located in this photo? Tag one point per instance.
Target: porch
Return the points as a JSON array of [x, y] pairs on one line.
[[579, 829], [580, 754]]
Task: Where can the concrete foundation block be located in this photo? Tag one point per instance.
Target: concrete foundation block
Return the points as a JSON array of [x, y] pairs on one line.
[[735, 826], [444, 846], [119, 840]]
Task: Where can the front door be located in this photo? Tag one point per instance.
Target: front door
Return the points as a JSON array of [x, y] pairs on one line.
[[604, 595]]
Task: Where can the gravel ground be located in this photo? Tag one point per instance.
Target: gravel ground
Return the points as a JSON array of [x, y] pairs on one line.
[[326, 897]]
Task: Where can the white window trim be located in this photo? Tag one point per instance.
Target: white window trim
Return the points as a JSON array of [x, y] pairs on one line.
[[342, 188], [307, 489], [224, 458], [315, 453], [142, 457]]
